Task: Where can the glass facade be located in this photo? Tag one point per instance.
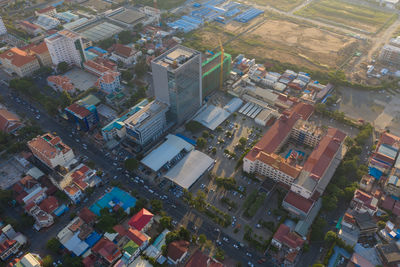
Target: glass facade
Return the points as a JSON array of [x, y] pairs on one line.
[[184, 90]]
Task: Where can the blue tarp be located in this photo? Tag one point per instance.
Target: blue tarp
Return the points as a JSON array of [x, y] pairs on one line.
[[187, 139], [93, 239], [61, 210], [374, 172]]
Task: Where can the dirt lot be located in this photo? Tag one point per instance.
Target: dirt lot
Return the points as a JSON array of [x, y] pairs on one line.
[[281, 40], [346, 14], [285, 5]]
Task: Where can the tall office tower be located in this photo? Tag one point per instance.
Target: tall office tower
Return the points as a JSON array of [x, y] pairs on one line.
[[66, 46], [3, 29], [177, 82]]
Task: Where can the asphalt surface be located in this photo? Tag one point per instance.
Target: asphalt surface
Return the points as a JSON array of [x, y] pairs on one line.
[[48, 123]]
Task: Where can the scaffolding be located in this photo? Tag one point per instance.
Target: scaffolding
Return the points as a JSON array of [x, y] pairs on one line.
[[211, 72]]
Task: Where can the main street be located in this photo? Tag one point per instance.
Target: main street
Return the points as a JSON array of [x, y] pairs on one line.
[[50, 124]]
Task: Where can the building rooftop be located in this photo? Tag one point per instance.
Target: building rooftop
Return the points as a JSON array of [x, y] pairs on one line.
[[49, 145], [46, 9], [8, 121], [29, 25], [176, 249], [61, 81], [140, 219], [137, 236], [78, 110], [176, 57], [189, 169], [107, 249], [299, 202], [290, 239], [17, 57], [128, 16], [166, 152], [145, 114]]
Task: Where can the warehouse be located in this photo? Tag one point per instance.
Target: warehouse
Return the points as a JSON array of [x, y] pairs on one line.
[[189, 169], [167, 152], [101, 31], [126, 17]]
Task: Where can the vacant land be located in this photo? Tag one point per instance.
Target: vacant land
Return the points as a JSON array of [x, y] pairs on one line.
[[163, 4], [346, 14], [280, 40], [285, 5]]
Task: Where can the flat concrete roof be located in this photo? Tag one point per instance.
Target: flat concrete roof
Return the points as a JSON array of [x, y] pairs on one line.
[[128, 16], [190, 169], [166, 152]]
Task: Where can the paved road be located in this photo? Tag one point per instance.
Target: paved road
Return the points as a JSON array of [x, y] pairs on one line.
[[50, 124]]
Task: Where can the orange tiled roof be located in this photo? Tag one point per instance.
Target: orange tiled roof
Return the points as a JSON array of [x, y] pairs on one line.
[[61, 81], [48, 147], [17, 57]]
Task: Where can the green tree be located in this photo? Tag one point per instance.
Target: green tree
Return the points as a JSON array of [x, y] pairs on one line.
[[156, 205], [131, 164], [214, 150], [381, 224], [166, 222], [329, 202], [62, 67], [125, 37], [107, 43], [330, 236], [205, 134], [202, 239], [65, 99], [219, 254], [126, 75], [140, 68], [201, 142], [47, 261], [242, 141], [53, 245]]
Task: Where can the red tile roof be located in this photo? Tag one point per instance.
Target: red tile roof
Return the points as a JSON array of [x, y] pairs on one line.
[[298, 202], [61, 81], [78, 110], [71, 189], [322, 155], [138, 237], [387, 202], [49, 205], [389, 139], [48, 147], [288, 238], [120, 230], [89, 261], [26, 24], [8, 121], [200, 259], [87, 215], [98, 67], [348, 218], [40, 48], [140, 219], [122, 50], [18, 57], [6, 245], [176, 249], [107, 249], [106, 63], [46, 9], [28, 182], [364, 198], [280, 130]]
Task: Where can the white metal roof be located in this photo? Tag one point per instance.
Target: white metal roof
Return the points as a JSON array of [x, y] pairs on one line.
[[189, 169], [165, 152]]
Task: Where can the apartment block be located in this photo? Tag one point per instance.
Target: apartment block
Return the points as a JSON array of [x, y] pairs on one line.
[[147, 124], [66, 46]]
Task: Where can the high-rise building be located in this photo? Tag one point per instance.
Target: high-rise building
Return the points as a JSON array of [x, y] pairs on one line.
[[3, 29], [177, 80], [66, 46]]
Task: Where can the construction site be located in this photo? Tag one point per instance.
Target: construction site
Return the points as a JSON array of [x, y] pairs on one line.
[[212, 71]]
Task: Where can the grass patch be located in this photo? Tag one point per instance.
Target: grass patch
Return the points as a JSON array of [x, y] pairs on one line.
[[363, 18], [285, 5]]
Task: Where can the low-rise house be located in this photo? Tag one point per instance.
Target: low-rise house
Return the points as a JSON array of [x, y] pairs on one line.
[[200, 259], [363, 202], [9, 121], [177, 251], [366, 183], [109, 82], [49, 11], [141, 220], [284, 238], [49, 204], [107, 250], [87, 216], [74, 193], [124, 54], [61, 83], [392, 186], [30, 27], [42, 218], [8, 248], [28, 260], [389, 254]]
